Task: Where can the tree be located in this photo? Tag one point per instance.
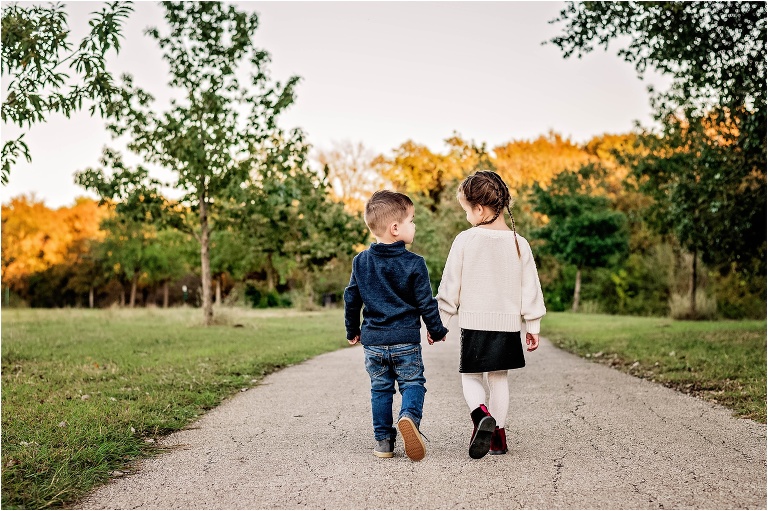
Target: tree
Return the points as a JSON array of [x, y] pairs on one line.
[[35, 51], [350, 172], [695, 177], [36, 238], [522, 162], [166, 259], [706, 169], [415, 169], [126, 250], [285, 213], [205, 138], [229, 255], [583, 230]]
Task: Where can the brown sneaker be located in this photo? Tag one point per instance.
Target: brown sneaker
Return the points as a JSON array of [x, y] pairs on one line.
[[414, 445]]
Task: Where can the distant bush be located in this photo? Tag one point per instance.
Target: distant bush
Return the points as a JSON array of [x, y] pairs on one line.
[[680, 306]]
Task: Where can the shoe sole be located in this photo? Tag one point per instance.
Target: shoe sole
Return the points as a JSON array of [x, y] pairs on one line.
[[383, 454], [481, 442], [414, 445]]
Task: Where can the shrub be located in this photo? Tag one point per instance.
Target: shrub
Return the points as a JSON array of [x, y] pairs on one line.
[[680, 306]]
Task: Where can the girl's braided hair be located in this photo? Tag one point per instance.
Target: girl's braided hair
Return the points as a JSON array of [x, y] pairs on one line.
[[486, 188]]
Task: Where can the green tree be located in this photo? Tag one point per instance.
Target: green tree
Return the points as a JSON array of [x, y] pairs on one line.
[[125, 250], [582, 230], [165, 259], [214, 136], [285, 212], [229, 256], [36, 54], [706, 169]]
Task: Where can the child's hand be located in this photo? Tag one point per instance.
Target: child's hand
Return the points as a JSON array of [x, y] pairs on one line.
[[354, 341], [430, 340], [532, 340]]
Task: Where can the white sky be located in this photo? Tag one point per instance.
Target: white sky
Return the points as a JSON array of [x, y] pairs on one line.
[[379, 73]]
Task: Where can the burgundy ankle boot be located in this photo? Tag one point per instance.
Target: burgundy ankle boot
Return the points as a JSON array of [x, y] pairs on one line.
[[481, 436], [499, 441]]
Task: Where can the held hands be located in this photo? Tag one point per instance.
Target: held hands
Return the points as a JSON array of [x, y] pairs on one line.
[[532, 340], [354, 341], [430, 340]]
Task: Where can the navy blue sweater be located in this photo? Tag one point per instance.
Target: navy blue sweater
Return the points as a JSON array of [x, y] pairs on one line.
[[392, 284]]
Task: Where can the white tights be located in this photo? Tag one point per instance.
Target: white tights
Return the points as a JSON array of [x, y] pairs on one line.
[[474, 393]]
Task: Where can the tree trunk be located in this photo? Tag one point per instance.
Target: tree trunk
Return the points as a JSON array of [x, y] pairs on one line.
[[122, 295], [90, 297], [134, 286], [577, 291], [165, 294], [205, 262], [218, 290], [270, 274], [693, 286]]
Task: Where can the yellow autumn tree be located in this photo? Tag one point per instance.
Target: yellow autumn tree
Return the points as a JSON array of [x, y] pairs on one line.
[[35, 237], [523, 162]]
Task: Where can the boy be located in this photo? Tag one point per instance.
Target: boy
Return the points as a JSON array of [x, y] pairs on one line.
[[393, 285]]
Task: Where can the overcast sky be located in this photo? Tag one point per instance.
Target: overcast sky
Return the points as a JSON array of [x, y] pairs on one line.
[[379, 73]]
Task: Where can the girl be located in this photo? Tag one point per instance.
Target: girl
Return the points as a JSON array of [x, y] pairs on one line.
[[490, 281]]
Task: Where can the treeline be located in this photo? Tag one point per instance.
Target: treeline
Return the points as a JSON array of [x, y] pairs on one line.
[[664, 221], [284, 250], [581, 208]]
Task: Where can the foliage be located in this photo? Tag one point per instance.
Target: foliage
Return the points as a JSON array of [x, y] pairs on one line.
[[583, 230], [523, 162], [706, 170], [716, 53], [705, 191], [113, 378], [285, 213], [350, 172], [36, 238], [218, 132], [415, 169], [35, 51]]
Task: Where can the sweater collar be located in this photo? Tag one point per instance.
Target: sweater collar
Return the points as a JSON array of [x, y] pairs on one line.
[[388, 249]]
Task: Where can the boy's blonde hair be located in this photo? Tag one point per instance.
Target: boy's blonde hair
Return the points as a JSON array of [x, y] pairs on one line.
[[385, 207]]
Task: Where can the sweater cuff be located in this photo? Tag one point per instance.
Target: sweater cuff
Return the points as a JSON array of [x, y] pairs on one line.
[[533, 326]]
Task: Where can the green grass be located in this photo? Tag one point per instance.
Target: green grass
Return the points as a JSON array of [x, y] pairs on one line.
[[722, 361], [149, 372], [145, 372]]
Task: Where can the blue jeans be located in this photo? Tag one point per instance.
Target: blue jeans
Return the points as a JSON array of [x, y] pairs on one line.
[[385, 365]]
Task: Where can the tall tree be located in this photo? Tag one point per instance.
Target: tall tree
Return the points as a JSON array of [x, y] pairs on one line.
[[706, 169], [583, 229], [36, 52], [205, 138]]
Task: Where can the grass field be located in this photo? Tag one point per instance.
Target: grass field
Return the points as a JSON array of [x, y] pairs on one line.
[[84, 392], [721, 361]]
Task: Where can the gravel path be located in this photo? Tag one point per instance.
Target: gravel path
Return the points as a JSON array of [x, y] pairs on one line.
[[581, 436]]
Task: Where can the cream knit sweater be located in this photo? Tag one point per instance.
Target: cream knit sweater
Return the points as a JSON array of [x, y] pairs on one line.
[[488, 285]]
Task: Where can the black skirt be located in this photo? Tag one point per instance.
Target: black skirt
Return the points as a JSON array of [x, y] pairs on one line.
[[483, 351]]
